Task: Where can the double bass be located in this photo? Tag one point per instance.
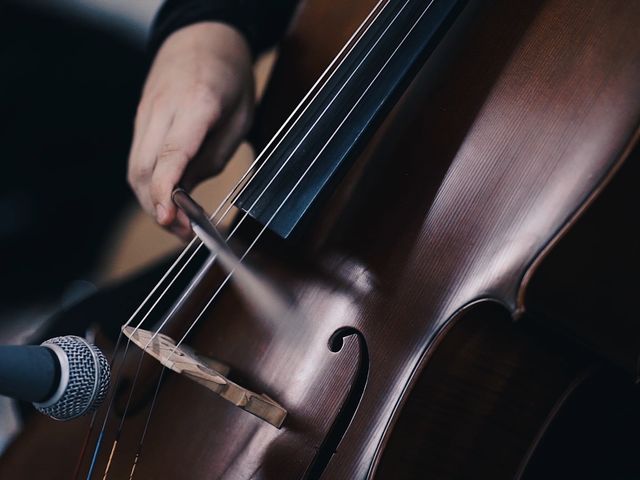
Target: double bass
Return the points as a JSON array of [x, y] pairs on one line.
[[448, 217]]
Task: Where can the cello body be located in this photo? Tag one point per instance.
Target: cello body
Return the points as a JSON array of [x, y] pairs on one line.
[[442, 283]]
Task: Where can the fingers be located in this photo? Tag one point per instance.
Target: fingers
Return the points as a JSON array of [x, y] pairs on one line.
[[187, 124], [181, 227], [183, 140], [217, 148], [160, 157], [152, 125]]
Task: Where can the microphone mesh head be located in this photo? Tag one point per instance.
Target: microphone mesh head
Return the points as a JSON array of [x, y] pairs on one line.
[[88, 379]]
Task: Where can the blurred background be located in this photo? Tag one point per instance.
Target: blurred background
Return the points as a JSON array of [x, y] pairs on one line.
[[72, 72]]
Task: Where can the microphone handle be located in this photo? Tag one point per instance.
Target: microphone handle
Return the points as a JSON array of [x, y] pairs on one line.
[[29, 373]]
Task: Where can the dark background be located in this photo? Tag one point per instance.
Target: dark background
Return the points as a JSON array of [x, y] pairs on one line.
[[68, 93], [70, 78]]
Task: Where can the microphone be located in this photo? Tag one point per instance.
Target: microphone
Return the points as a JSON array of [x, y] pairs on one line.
[[64, 378]]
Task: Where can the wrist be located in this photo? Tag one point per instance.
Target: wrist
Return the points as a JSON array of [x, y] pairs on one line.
[[216, 38]]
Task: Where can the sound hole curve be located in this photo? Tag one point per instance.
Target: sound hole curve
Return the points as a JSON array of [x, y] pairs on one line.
[[332, 440]]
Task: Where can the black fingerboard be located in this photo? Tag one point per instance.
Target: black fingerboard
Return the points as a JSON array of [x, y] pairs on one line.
[[328, 135]]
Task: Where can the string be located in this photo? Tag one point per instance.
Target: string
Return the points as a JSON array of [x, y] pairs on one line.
[[351, 44], [116, 348], [260, 157], [146, 425], [282, 204], [258, 236], [239, 223], [288, 159], [169, 316], [291, 121]]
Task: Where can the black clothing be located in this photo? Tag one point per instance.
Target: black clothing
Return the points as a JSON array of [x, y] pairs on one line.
[[262, 22]]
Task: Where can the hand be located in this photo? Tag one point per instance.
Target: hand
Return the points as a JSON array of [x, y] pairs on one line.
[[196, 107]]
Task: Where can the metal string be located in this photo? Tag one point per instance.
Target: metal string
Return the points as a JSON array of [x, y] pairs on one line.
[[291, 121], [260, 157], [282, 204], [258, 236], [351, 45], [287, 160]]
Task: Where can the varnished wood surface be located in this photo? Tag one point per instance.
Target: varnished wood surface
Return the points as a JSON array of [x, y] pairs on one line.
[[535, 148], [443, 428], [510, 129]]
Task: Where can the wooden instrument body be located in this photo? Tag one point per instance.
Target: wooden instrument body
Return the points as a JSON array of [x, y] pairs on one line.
[[420, 261]]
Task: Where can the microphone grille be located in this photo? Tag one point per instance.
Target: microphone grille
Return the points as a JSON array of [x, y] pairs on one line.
[[84, 379]]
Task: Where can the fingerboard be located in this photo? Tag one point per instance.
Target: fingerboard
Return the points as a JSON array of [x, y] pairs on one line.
[[342, 115]]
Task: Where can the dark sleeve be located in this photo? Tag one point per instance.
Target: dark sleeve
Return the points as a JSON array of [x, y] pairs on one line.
[[262, 22]]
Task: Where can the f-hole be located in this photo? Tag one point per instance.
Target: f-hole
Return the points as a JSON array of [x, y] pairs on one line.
[[343, 419]]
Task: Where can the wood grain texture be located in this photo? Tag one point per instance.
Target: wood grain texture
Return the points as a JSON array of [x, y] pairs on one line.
[[511, 128]]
